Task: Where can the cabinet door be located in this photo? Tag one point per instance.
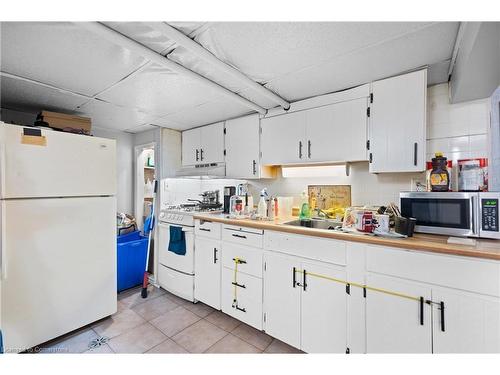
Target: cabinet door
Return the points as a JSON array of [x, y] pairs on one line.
[[212, 143], [337, 132], [398, 123], [242, 147], [469, 323], [207, 279], [324, 310], [283, 139], [393, 323], [191, 147], [282, 298]]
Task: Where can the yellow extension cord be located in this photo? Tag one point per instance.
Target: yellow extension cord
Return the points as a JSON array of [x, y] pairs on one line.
[[235, 282], [402, 295]]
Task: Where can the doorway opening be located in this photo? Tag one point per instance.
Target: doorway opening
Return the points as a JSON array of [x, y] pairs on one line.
[[145, 176]]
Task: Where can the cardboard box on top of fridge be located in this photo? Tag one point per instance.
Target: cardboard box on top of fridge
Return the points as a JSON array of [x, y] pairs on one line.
[[64, 122]]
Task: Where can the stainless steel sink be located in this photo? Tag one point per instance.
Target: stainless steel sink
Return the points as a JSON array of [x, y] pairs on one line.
[[315, 223]]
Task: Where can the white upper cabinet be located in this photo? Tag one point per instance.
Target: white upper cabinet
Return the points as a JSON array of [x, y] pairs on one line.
[[191, 147], [398, 123], [243, 148], [337, 132], [329, 133], [283, 139], [212, 143], [203, 145]]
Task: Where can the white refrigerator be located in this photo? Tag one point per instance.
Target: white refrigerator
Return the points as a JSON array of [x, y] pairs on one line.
[[58, 233]]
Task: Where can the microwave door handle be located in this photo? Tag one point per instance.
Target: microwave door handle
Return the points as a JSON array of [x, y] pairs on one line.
[[472, 213]]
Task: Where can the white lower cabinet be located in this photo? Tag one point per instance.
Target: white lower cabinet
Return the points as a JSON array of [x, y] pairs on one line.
[[282, 298], [207, 264], [242, 297], [324, 310], [469, 323], [394, 324], [307, 312]]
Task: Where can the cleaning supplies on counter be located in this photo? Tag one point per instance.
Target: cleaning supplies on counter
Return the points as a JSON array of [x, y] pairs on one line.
[[305, 211], [262, 206]]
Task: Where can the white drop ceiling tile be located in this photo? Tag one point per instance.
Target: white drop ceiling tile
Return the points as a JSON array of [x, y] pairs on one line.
[[140, 129], [166, 123], [427, 46], [64, 55], [30, 97], [208, 113], [109, 116], [265, 50], [159, 91]]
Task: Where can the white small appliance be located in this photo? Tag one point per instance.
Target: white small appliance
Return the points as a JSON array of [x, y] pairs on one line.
[[58, 233], [473, 214]]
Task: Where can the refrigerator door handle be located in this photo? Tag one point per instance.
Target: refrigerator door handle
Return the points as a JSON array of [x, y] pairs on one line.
[[3, 253]]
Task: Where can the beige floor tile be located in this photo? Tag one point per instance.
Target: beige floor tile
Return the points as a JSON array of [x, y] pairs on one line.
[[103, 349], [155, 307], [232, 344], [132, 297], [118, 323], [199, 337], [76, 342], [172, 322], [199, 309], [224, 321], [137, 340], [178, 300], [252, 336], [278, 346], [167, 346]]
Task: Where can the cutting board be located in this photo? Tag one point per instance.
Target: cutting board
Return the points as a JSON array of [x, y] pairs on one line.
[[328, 196]]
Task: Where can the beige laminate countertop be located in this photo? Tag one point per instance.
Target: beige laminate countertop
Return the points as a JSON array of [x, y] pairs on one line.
[[486, 249]]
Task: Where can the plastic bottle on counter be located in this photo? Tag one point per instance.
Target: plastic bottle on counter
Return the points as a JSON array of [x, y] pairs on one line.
[[305, 211], [262, 206]]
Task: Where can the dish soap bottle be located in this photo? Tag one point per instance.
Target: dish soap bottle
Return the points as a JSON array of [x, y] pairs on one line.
[[305, 212], [439, 177], [262, 206]]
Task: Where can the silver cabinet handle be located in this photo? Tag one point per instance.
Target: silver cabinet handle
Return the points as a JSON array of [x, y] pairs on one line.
[[254, 167], [300, 149], [309, 149], [197, 153], [201, 154]]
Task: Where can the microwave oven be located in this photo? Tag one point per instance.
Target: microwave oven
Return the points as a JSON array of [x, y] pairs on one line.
[[469, 214]]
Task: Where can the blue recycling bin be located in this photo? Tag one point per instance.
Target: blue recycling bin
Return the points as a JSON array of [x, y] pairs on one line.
[[131, 257]]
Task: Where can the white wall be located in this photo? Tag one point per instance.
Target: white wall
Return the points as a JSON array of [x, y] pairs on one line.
[[460, 131], [124, 171]]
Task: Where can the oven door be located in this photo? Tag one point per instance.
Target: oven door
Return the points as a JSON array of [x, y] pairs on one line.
[[181, 263], [453, 214]]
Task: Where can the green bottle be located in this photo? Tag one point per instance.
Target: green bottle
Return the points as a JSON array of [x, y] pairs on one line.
[[305, 211]]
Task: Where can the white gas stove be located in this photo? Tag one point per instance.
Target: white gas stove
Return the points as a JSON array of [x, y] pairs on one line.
[[183, 214], [176, 271]]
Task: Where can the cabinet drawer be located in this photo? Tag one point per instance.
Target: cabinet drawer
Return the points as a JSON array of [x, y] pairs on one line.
[[475, 275], [322, 249], [249, 297], [210, 229], [250, 255], [242, 235]]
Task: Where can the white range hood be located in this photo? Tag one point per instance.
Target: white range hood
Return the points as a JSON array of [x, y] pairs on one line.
[[203, 170]]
